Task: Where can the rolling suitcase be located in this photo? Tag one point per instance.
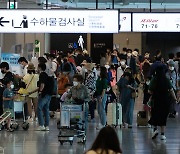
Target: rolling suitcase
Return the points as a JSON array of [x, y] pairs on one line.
[[114, 114], [142, 118]]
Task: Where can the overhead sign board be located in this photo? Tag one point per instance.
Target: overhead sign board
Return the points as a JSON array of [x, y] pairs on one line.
[[156, 22], [125, 22], [59, 21]]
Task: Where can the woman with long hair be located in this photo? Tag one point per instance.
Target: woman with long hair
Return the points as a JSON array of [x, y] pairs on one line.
[[101, 86], [162, 92], [106, 142]]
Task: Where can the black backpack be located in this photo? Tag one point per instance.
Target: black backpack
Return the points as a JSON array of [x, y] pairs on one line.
[[50, 85]]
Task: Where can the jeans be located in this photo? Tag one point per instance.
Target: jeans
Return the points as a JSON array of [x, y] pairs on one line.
[[43, 106], [129, 112], [101, 109], [92, 106], [86, 109]]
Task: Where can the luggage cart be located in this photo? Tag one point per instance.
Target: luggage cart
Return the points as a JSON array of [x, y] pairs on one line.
[[19, 108], [3, 119], [72, 123]]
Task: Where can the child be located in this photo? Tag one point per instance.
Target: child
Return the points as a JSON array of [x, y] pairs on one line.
[[8, 97], [67, 88]]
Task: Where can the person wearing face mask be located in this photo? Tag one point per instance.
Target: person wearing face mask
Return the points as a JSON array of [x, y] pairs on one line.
[[90, 83], [146, 65], [4, 66], [31, 80], [121, 68], [131, 61], [24, 64], [173, 76], [79, 94], [8, 97], [101, 86]]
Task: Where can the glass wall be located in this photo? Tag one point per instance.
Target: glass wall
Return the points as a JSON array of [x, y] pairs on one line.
[[123, 5]]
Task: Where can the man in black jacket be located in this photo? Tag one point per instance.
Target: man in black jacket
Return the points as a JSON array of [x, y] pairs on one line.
[[131, 61], [79, 58]]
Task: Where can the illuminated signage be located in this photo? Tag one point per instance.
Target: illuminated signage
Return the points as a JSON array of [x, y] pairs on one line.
[[59, 21]]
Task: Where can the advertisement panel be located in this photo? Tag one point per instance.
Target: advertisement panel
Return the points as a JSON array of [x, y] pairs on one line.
[[12, 60], [59, 21]]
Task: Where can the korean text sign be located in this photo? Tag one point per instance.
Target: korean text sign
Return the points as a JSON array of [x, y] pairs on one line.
[[59, 21]]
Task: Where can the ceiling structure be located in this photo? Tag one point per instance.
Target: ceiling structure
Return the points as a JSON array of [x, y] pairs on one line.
[[123, 5]]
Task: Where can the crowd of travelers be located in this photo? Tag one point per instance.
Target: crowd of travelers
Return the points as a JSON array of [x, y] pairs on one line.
[[75, 78]]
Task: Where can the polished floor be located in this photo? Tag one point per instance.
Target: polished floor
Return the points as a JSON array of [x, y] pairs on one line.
[[133, 141]]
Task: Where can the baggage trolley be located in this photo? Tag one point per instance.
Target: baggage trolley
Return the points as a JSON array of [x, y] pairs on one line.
[[72, 123], [19, 108], [3, 119]]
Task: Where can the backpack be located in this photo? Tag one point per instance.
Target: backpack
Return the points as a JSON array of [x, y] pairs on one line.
[[63, 80], [50, 85]]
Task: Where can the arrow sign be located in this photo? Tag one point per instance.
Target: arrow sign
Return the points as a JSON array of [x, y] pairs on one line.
[[2, 21]]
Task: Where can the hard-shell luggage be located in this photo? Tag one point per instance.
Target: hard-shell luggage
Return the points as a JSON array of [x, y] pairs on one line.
[[114, 114], [142, 118]]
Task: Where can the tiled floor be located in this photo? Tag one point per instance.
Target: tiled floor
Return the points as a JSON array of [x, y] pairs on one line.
[[133, 141]]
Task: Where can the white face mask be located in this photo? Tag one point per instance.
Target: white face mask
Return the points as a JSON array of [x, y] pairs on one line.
[[85, 70], [148, 82], [109, 88], [171, 68], [75, 83], [122, 62], [68, 90], [22, 66], [12, 86], [129, 54]]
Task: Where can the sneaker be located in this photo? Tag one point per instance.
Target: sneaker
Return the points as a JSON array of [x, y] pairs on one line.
[[155, 134], [36, 119], [129, 126], [163, 137], [171, 115], [41, 128], [47, 128]]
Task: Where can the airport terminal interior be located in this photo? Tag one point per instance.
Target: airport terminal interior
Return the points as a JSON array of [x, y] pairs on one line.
[[120, 36]]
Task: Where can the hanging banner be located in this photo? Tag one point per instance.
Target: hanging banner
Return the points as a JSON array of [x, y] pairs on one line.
[[12, 60], [59, 21]]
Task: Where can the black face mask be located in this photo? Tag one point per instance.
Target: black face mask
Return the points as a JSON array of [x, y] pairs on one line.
[[3, 72]]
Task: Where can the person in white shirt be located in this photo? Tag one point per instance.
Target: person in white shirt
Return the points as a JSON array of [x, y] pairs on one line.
[[53, 65], [24, 64], [121, 68]]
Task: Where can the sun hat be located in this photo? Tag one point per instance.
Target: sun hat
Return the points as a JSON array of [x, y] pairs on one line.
[[90, 66], [30, 66]]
